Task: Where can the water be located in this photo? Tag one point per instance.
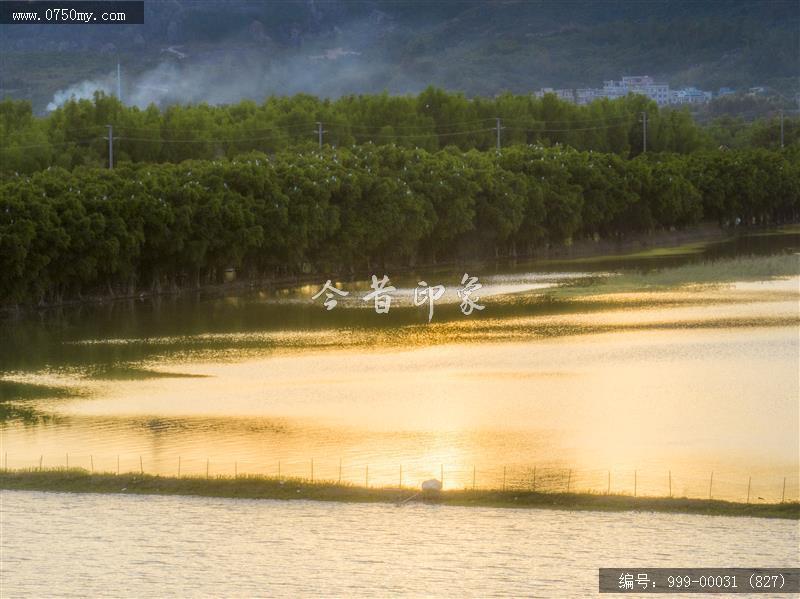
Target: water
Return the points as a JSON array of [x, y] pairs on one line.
[[631, 376], [138, 546]]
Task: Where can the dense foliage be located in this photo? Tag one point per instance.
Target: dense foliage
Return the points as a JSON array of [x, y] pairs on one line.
[[75, 134], [66, 233]]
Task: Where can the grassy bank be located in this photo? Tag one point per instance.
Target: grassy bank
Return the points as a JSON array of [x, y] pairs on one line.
[[256, 487], [709, 272]]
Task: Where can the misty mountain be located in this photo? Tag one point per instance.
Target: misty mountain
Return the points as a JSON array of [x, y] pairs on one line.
[[219, 52]]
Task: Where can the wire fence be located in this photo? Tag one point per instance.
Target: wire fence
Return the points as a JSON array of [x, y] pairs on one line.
[[722, 485]]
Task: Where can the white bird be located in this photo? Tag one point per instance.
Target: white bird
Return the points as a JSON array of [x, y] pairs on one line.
[[432, 484]]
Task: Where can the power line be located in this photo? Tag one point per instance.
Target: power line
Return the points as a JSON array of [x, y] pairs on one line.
[[433, 125], [111, 144], [565, 130], [273, 129], [591, 120], [210, 140], [279, 131], [419, 135], [278, 127], [368, 136], [92, 128], [49, 144], [320, 131]]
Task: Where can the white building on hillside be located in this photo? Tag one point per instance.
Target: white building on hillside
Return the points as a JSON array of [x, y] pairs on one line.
[[639, 84], [587, 95], [690, 95], [568, 95]]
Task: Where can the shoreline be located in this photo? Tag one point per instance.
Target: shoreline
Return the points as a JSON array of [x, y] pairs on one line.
[[660, 243], [583, 249], [78, 480]]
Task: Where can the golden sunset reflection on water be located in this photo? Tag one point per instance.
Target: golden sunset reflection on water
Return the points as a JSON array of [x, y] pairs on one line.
[[629, 380], [671, 389]]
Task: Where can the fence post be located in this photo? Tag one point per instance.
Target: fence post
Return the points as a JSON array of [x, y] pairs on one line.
[[40, 462], [366, 477], [569, 479], [473, 477], [401, 476], [91, 463], [670, 483], [117, 464], [340, 471], [208, 464], [710, 484], [5, 461], [635, 482], [67, 463], [179, 466], [279, 470], [534, 479], [235, 469], [504, 478], [783, 493], [141, 465], [312, 470], [749, 480], [608, 489]]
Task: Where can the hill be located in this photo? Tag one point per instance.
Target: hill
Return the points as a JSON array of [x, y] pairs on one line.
[[228, 50]]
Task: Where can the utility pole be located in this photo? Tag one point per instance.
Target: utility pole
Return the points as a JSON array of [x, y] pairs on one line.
[[498, 127], [319, 133], [119, 83], [110, 139], [781, 129], [644, 132]]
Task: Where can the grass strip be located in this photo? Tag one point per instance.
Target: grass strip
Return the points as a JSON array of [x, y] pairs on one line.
[[78, 480]]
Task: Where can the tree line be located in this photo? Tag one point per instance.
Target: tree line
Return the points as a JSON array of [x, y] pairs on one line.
[[75, 133], [67, 233]]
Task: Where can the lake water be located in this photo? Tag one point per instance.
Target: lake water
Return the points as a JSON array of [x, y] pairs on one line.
[[638, 375], [69, 545]]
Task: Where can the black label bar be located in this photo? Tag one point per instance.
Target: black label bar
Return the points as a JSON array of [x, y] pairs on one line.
[[72, 12], [699, 580]]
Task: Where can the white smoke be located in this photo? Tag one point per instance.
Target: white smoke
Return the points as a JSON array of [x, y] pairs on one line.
[[171, 83], [346, 62], [229, 79], [82, 91]]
